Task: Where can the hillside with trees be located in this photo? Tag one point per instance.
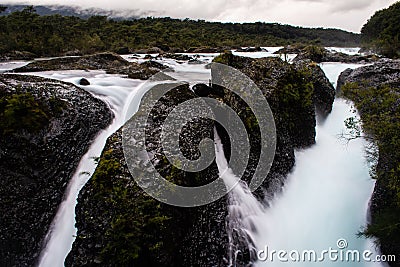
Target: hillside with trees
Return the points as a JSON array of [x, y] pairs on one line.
[[382, 32], [53, 35]]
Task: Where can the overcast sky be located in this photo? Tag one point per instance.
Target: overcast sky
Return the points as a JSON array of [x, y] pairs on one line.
[[345, 14]]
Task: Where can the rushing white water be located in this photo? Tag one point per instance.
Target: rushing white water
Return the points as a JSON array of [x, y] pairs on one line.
[[9, 65], [325, 198], [115, 91], [243, 207]]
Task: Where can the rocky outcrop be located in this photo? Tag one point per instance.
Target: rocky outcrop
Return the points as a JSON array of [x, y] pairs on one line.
[[375, 92], [177, 56], [324, 92], [385, 72], [84, 81], [289, 87], [250, 49], [320, 54], [45, 126], [151, 233], [110, 62], [290, 50], [17, 55], [119, 225]]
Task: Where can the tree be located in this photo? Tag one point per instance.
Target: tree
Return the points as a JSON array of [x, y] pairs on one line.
[[382, 32]]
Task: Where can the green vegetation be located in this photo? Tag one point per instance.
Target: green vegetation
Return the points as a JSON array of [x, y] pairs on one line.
[[382, 32], [22, 111], [380, 115], [138, 222], [295, 102], [55, 34], [315, 53]]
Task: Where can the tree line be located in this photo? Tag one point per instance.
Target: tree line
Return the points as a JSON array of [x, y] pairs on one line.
[[49, 35], [382, 32]]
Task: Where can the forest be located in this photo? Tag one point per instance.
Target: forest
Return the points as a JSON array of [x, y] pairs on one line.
[[53, 35], [382, 32]]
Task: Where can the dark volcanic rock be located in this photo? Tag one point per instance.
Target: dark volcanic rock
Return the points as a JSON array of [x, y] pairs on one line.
[[177, 56], [112, 228], [202, 90], [276, 78], [324, 92], [289, 50], [38, 156], [377, 87], [319, 54], [342, 78], [17, 55], [381, 73], [250, 49], [189, 237], [84, 81], [110, 62]]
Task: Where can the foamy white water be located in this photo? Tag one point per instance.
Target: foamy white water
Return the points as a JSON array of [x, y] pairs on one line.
[[123, 97], [326, 197], [307, 217], [115, 91], [9, 65], [243, 208]]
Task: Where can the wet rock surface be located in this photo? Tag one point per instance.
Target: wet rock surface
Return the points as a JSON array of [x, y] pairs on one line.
[[39, 152], [110, 62], [167, 235], [380, 85], [115, 218], [17, 55], [385, 72], [320, 54]]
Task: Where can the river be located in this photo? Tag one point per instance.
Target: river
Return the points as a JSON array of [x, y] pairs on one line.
[[325, 198]]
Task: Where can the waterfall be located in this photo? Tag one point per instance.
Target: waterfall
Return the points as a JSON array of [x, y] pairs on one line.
[[243, 207], [115, 91], [323, 205]]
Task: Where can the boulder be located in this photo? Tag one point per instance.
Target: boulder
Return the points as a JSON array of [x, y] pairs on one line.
[[38, 156], [250, 49], [324, 92], [202, 90], [290, 49], [384, 72], [123, 50], [320, 54], [17, 55], [84, 81], [182, 235], [110, 62]]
